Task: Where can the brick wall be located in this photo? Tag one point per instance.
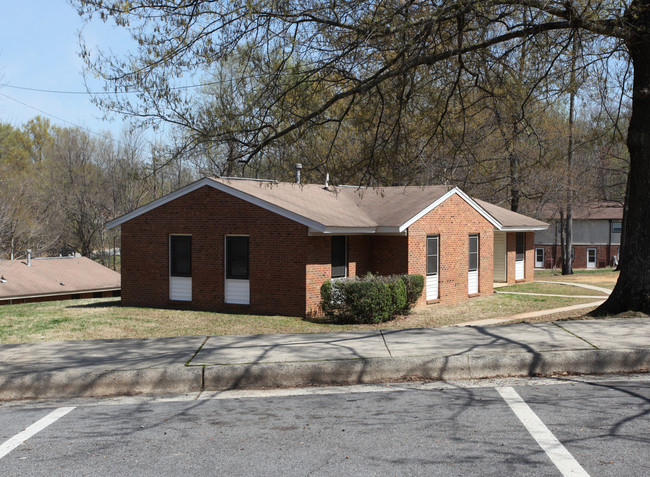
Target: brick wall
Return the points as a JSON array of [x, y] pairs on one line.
[[454, 220], [287, 266], [529, 257], [604, 255], [277, 254]]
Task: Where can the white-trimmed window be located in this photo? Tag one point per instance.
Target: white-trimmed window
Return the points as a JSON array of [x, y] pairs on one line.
[[339, 256], [237, 257]]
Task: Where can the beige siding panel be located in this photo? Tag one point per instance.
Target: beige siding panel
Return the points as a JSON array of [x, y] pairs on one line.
[[500, 257], [432, 287], [519, 270], [472, 282], [180, 288], [238, 292]]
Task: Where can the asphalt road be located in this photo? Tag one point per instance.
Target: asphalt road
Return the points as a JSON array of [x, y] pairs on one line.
[[572, 426]]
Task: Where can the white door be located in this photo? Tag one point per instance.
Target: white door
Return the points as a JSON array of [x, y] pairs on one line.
[[472, 275], [432, 268], [520, 256], [591, 258], [539, 258]]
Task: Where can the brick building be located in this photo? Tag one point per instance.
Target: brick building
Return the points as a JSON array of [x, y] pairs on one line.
[[596, 237], [264, 247]]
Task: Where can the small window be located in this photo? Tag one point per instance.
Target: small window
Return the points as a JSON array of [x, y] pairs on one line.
[[339, 257], [432, 255], [181, 255], [237, 257], [473, 253], [520, 247], [617, 227]]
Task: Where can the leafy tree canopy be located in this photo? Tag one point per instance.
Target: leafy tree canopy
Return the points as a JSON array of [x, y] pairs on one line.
[[310, 64]]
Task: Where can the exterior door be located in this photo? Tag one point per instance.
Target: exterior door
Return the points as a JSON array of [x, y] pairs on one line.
[[432, 267], [237, 286], [180, 267], [539, 258], [520, 255], [472, 276], [591, 257]]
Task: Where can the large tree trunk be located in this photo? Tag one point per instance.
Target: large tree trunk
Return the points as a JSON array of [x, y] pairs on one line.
[[632, 291]]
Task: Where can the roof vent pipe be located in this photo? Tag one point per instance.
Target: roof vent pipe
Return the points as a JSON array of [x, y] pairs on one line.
[[29, 257], [298, 167]]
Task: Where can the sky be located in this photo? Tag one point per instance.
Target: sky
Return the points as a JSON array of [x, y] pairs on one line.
[[39, 49]]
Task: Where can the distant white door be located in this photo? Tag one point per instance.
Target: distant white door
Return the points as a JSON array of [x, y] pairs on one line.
[[432, 268], [539, 258], [591, 257]]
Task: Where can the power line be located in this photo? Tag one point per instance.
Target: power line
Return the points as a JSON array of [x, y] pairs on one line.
[[89, 93], [110, 138]]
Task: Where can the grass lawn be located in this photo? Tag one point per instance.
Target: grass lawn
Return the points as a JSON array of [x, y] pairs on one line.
[[105, 318], [600, 277], [551, 288]]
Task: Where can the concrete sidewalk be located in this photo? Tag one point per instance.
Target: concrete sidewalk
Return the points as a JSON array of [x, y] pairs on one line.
[[197, 363]]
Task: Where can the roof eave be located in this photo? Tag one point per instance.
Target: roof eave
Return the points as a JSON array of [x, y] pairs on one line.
[[60, 293], [383, 230], [523, 228]]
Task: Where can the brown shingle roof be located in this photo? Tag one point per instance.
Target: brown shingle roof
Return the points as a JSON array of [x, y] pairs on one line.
[[343, 206], [509, 219], [55, 276], [344, 209], [596, 211]]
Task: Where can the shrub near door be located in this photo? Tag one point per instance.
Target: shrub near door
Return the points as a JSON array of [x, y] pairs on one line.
[[370, 299]]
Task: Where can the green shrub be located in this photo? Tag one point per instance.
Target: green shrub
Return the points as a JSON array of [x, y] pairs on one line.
[[397, 289], [367, 301], [371, 299], [326, 302], [414, 286]]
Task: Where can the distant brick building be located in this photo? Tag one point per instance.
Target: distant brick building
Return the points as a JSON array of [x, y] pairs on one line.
[[266, 247], [596, 237]]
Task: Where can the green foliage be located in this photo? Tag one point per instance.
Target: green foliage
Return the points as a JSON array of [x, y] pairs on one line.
[[372, 299], [398, 294], [414, 286]]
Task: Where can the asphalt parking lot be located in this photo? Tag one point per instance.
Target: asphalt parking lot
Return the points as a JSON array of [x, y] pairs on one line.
[[570, 426]]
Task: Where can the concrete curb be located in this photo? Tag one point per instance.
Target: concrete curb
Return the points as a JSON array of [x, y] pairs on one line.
[[180, 379], [175, 379], [468, 366]]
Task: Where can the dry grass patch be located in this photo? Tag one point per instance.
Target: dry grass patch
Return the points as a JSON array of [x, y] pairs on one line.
[[551, 288], [105, 318], [494, 306], [602, 277]]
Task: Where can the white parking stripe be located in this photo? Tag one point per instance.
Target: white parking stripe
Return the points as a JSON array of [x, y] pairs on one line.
[[561, 457], [35, 428]]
